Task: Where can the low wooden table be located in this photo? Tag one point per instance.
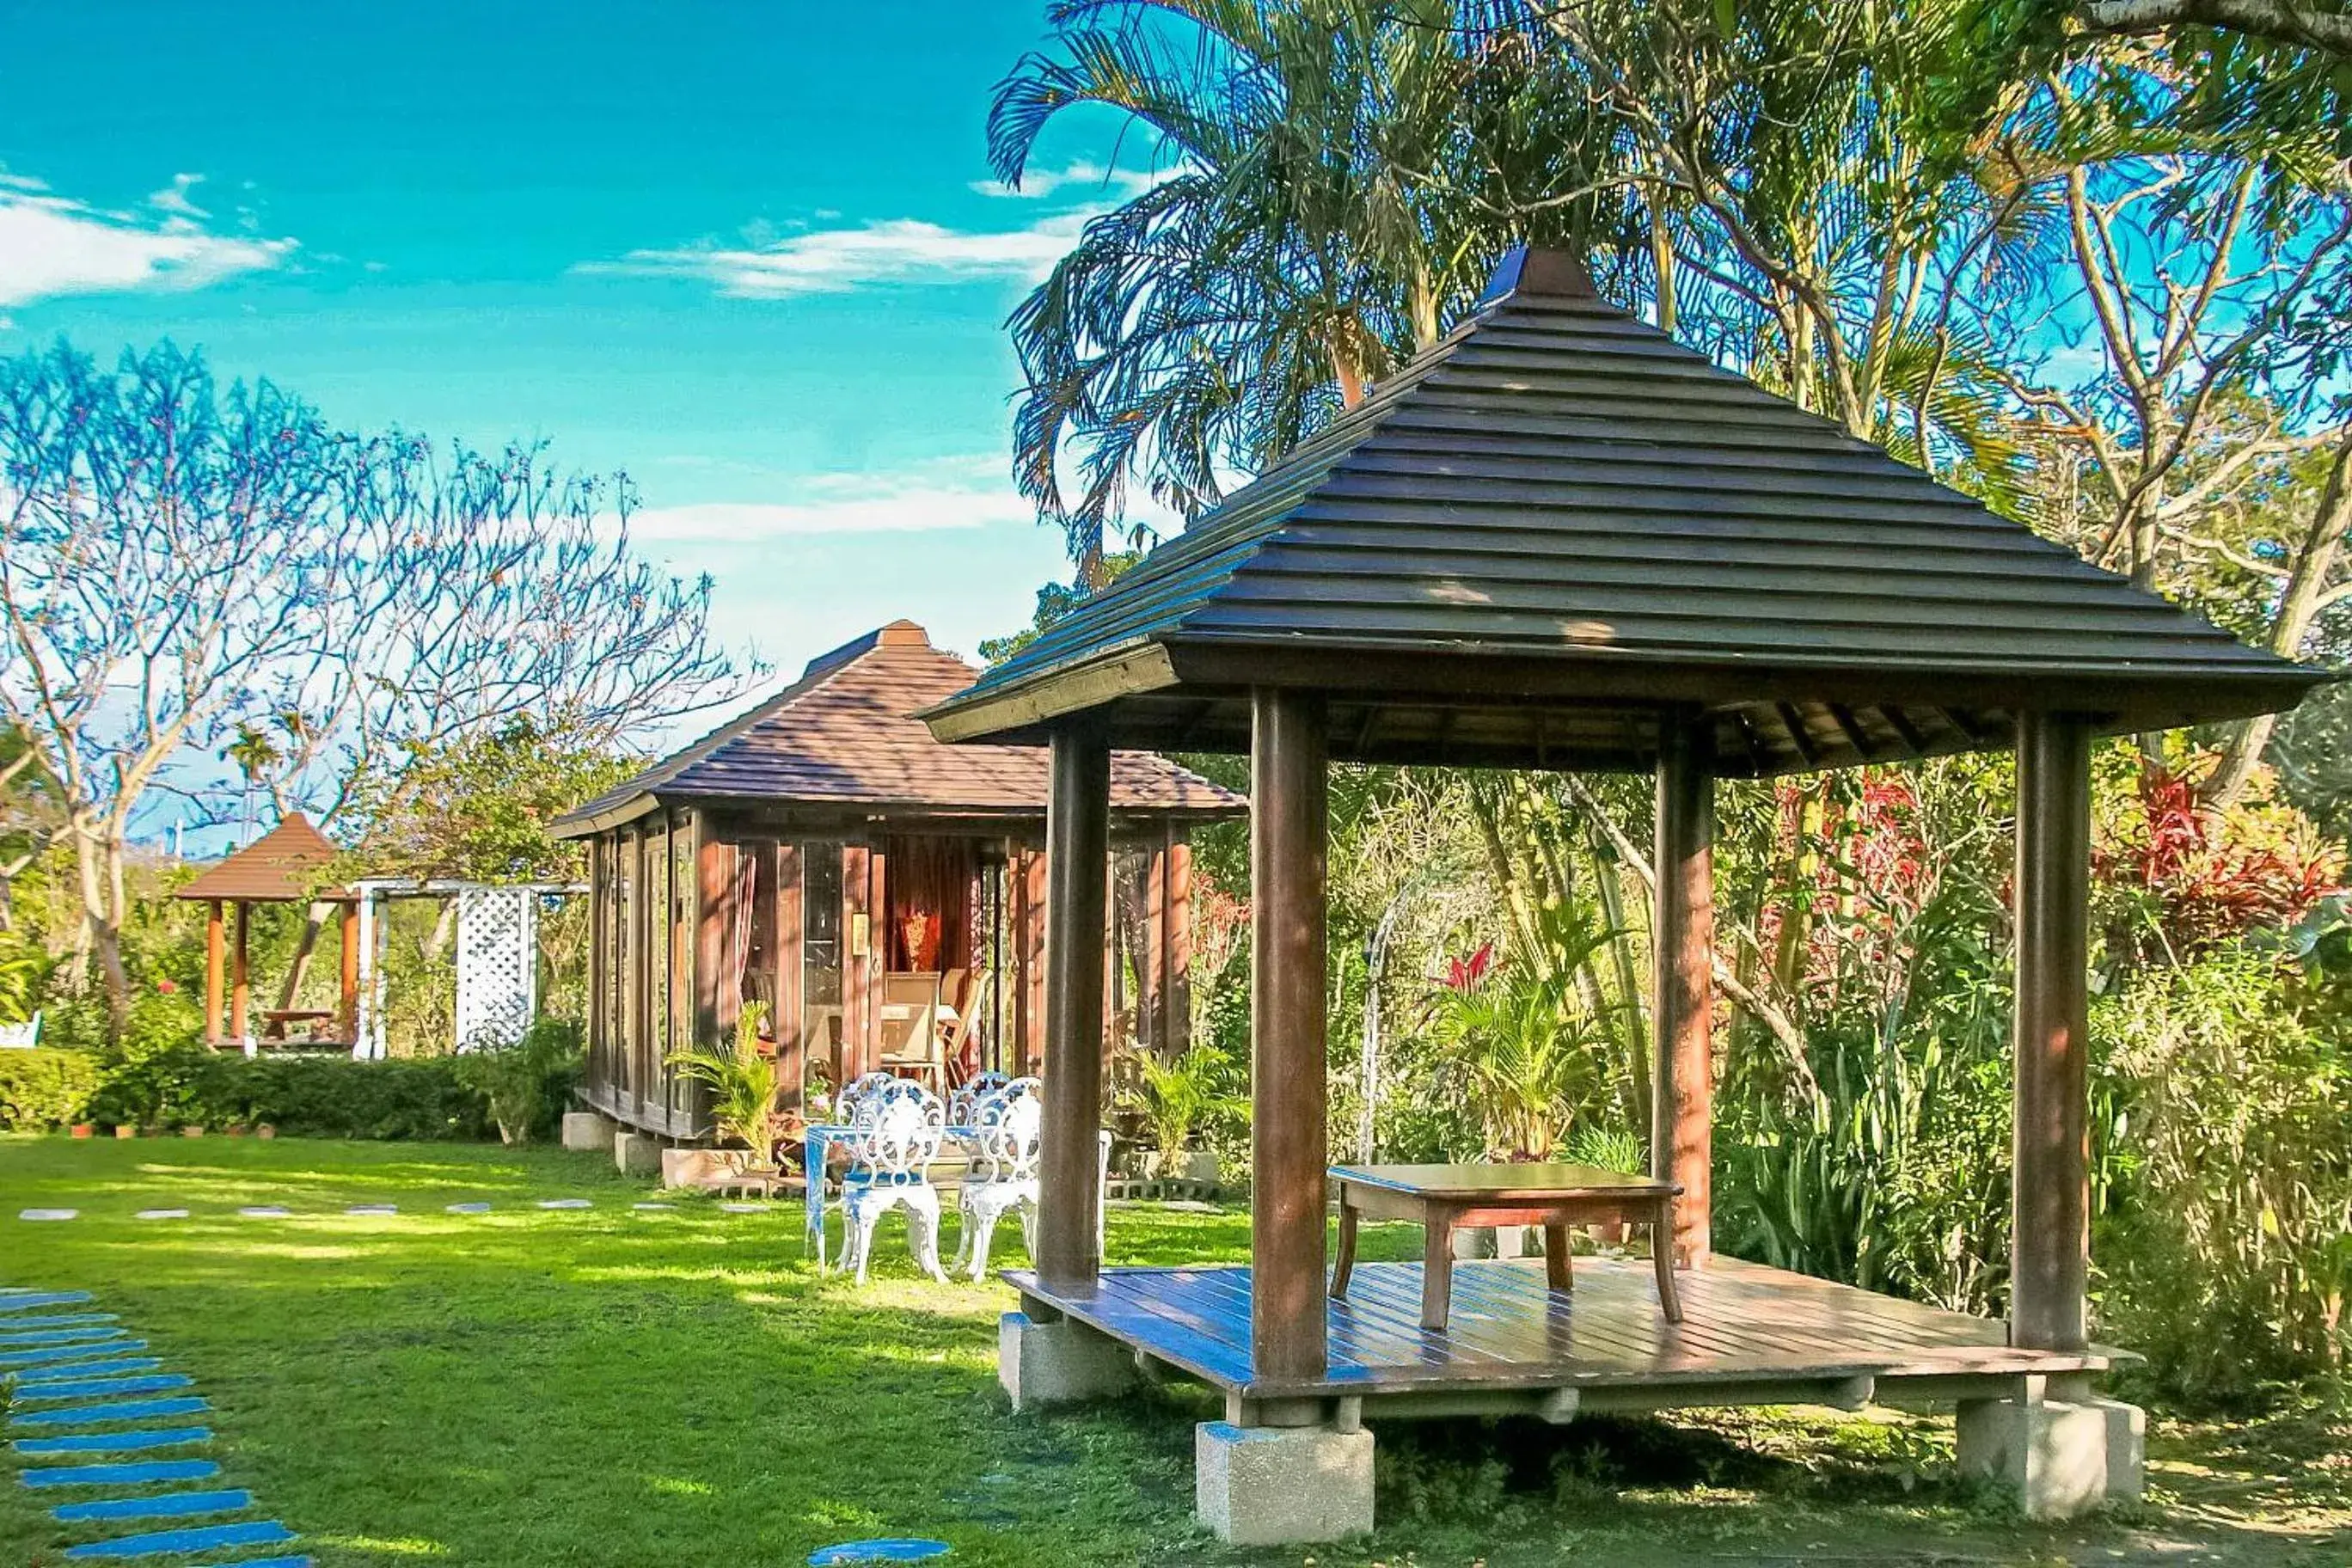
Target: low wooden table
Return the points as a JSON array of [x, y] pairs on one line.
[[1446, 1199]]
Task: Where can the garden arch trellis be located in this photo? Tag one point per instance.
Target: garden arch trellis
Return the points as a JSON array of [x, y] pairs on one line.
[[498, 956]]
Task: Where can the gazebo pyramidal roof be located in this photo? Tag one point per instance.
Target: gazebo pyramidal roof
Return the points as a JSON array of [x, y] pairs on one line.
[[1558, 524], [275, 868]]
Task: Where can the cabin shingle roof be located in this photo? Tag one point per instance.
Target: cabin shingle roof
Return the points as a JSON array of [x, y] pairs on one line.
[[847, 734]]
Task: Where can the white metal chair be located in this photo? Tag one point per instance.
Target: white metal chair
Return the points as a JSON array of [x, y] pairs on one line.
[[963, 1105], [1003, 1174], [856, 1095], [895, 1138]]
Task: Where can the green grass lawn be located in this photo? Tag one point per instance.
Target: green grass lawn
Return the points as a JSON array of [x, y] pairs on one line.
[[611, 1388]]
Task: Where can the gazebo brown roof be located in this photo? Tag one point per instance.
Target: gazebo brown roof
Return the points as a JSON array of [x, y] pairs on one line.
[[1559, 519], [846, 732], [1560, 540], [275, 868]]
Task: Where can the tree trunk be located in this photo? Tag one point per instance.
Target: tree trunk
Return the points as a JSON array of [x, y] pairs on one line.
[[98, 863], [2314, 562], [313, 918]]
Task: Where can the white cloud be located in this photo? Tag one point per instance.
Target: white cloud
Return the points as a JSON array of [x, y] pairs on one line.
[[1092, 178], [52, 246], [173, 197], [949, 493], [836, 260]]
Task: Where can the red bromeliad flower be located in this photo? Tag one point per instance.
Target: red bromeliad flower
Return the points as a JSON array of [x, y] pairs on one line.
[[1464, 975]]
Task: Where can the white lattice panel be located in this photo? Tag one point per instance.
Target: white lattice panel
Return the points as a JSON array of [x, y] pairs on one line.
[[498, 965]]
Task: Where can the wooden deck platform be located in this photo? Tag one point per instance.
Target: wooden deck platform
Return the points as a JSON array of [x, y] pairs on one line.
[[1750, 1335]]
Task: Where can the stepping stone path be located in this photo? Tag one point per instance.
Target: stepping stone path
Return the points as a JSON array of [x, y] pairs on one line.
[[63, 1373], [161, 1213], [895, 1549], [49, 1213], [565, 1203], [469, 1208], [264, 1211], [652, 1208], [373, 1208]]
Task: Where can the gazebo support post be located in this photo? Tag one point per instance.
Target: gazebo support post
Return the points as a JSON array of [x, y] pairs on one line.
[[240, 996], [1277, 1471], [215, 959], [347, 1012], [2062, 1449], [1682, 1101], [1043, 1357]]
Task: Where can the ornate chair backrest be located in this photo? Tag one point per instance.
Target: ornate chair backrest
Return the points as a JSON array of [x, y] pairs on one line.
[[1010, 1121], [896, 1134], [963, 1105], [857, 1098]]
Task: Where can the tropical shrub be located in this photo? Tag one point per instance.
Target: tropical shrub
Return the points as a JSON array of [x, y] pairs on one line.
[[525, 1084], [742, 1085], [1177, 1098], [2226, 1244], [44, 1088]]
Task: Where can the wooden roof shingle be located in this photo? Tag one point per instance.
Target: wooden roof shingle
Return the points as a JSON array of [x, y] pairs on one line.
[[1558, 520], [847, 734], [275, 868]]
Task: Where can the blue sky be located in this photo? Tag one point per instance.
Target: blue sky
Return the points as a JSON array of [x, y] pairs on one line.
[[749, 253]]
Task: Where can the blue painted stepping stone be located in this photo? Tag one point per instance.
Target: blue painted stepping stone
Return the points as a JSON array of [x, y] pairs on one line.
[[893, 1549], [42, 1299], [205, 1538], [48, 1213], [264, 1211], [93, 1387], [63, 1336], [120, 1410], [161, 1213], [83, 1351], [33, 1378], [145, 1472], [53, 1320], [171, 1505], [373, 1208], [469, 1208], [111, 1442], [565, 1203]]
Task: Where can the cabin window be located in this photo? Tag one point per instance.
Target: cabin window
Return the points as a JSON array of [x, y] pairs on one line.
[[821, 959]]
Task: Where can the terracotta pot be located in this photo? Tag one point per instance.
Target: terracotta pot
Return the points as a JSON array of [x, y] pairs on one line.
[[82, 1130], [126, 1133], [237, 1130], [265, 1131]]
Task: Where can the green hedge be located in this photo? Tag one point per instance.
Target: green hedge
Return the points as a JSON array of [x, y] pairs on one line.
[[43, 1089], [302, 1096]]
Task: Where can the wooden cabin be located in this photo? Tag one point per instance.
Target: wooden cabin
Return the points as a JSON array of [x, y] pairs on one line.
[[824, 855]]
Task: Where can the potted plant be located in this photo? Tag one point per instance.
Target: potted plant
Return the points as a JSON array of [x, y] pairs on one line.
[[82, 1130], [742, 1085], [1174, 1098]]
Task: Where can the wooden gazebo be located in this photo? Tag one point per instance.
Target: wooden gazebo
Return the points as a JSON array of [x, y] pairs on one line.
[[1559, 540], [278, 868]]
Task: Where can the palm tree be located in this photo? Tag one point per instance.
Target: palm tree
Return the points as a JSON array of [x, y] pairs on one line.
[[1334, 180]]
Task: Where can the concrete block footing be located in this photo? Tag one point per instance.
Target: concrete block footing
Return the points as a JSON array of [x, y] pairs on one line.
[[1264, 1486], [588, 1129], [2063, 1457], [636, 1154], [1043, 1364], [692, 1167]]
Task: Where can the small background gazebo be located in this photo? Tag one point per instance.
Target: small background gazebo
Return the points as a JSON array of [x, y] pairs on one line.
[[1560, 540], [278, 868]]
